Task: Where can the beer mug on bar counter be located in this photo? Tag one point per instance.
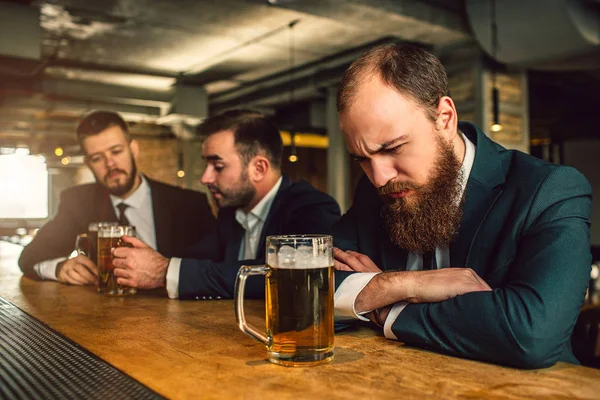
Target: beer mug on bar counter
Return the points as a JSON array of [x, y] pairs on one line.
[[109, 237], [92, 235], [299, 288]]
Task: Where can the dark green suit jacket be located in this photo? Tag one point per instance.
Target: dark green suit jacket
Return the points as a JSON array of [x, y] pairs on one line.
[[525, 231]]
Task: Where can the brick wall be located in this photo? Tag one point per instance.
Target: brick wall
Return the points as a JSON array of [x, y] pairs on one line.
[[158, 159], [513, 110], [470, 81]]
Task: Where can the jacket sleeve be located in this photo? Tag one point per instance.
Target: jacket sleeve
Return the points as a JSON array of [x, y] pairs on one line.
[[53, 240], [202, 277], [206, 249], [207, 224], [528, 322]]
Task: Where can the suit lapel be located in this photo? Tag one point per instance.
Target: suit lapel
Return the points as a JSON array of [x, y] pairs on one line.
[[269, 227], [233, 240], [478, 201], [162, 218], [483, 189]]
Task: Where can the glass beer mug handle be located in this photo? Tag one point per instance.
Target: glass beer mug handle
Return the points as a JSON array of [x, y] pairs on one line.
[[240, 284]]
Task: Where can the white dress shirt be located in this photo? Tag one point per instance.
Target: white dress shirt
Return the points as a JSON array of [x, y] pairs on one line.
[[348, 291], [253, 224], [139, 213]]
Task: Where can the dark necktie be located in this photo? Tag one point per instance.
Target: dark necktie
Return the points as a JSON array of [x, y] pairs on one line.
[[122, 218], [429, 261]]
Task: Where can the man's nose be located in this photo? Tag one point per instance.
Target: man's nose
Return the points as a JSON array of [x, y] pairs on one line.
[[109, 162], [383, 172], [207, 177]]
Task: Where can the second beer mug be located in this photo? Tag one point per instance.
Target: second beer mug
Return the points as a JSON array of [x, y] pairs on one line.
[[93, 229], [109, 237], [299, 299]]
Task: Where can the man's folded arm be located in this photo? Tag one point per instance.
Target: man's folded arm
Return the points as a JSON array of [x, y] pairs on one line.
[[528, 322]]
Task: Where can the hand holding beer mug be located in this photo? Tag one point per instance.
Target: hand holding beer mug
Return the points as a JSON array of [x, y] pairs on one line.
[[299, 288], [82, 245], [109, 237]]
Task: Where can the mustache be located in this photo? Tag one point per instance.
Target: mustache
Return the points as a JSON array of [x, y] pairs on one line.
[[213, 188], [396, 187], [113, 170]]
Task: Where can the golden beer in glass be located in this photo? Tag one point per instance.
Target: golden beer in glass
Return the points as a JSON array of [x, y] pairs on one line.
[[299, 289], [92, 234], [109, 237]]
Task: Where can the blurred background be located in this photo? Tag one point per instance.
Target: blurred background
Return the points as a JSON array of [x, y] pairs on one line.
[[167, 65]]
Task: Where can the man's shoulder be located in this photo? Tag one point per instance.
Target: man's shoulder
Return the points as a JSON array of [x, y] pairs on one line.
[[175, 191], [79, 191], [303, 193], [527, 171]]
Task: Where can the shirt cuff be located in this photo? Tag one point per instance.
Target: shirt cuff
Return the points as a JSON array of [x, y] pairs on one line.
[[173, 278], [47, 269], [346, 294], [391, 318]]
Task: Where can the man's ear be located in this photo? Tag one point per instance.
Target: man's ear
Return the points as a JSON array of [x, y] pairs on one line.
[[259, 167], [447, 119], [135, 148]]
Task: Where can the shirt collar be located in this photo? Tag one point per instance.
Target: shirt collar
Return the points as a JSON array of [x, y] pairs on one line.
[[137, 198], [261, 210], [467, 164]]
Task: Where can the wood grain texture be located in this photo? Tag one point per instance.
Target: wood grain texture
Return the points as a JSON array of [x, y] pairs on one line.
[[193, 349]]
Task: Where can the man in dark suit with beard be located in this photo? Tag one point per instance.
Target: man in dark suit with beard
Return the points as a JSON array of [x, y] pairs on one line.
[[243, 151], [454, 243], [167, 218]]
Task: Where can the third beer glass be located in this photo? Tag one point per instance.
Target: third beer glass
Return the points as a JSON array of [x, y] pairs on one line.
[[109, 237], [299, 299]]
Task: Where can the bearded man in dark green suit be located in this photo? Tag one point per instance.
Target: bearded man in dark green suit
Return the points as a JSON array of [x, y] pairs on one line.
[[454, 243]]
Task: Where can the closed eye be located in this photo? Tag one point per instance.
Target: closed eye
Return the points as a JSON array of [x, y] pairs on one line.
[[358, 159], [394, 149]]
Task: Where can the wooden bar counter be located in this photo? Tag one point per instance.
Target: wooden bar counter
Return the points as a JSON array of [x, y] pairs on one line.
[[193, 349]]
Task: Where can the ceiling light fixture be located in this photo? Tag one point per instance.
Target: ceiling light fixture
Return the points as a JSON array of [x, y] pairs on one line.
[[496, 125], [180, 170], [293, 154]]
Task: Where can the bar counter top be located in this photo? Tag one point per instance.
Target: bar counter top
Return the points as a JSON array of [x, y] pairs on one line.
[[194, 349]]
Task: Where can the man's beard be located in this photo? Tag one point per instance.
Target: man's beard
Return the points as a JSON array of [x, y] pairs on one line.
[[121, 190], [239, 196], [432, 217]]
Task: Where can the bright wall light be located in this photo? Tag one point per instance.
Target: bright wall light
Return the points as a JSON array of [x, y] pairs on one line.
[[24, 186]]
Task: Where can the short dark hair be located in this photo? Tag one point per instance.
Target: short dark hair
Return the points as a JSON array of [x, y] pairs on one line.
[[409, 69], [253, 132], [97, 121]]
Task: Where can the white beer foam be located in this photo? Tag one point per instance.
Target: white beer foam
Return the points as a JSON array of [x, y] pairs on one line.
[[303, 257]]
